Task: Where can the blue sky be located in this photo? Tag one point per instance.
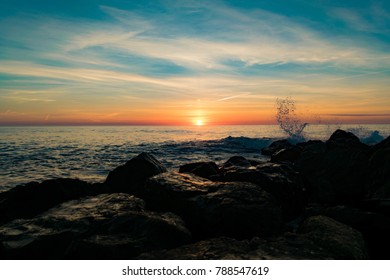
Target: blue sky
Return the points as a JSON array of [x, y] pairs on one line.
[[175, 62]]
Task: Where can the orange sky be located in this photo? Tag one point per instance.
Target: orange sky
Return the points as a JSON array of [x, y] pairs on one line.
[[219, 62]]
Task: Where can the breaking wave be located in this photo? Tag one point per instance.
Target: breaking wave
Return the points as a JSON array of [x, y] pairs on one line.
[[289, 121], [367, 136]]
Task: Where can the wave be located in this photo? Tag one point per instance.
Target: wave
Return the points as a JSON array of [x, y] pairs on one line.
[[366, 136]]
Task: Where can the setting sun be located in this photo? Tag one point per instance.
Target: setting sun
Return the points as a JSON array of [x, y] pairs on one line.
[[199, 122]]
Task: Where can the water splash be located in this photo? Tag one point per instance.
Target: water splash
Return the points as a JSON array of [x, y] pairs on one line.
[[367, 136], [288, 120]]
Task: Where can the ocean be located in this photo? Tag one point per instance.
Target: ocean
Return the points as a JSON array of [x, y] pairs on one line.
[[90, 152]]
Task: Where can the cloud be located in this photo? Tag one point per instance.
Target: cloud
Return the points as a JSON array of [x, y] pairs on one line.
[[191, 50], [254, 38], [353, 19]]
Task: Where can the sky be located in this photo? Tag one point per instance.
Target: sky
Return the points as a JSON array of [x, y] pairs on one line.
[[166, 62]]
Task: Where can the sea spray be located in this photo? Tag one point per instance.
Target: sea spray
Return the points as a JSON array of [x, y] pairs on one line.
[[288, 120], [367, 136]]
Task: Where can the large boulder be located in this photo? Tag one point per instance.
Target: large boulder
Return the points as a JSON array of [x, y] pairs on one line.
[[278, 179], [335, 171], [289, 154], [108, 226], [345, 139], [276, 146], [378, 167], [321, 238], [26, 201], [206, 169], [236, 161], [375, 227], [287, 247], [339, 239], [129, 178], [236, 209]]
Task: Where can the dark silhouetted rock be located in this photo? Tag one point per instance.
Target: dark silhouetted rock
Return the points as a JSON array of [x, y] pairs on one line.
[[129, 178], [108, 226], [335, 172], [379, 170], [26, 201], [287, 247], [280, 180], [321, 238], [236, 209], [375, 227], [202, 169], [376, 205], [233, 209], [288, 154], [236, 161], [346, 139], [341, 240], [275, 147]]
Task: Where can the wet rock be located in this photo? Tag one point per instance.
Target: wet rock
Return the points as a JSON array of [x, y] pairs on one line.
[[202, 169], [275, 147], [236, 161], [129, 178], [167, 189], [108, 226], [26, 201], [280, 180], [339, 239], [335, 171], [234, 209]]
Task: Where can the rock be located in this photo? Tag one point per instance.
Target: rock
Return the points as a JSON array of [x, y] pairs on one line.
[[381, 206], [378, 180], [26, 201], [288, 154], [236, 209], [236, 161], [382, 145], [346, 139], [335, 171], [374, 227], [221, 248], [215, 208], [341, 240], [321, 238], [275, 147], [280, 180], [168, 189], [286, 247], [108, 226], [202, 169], [129, 178]]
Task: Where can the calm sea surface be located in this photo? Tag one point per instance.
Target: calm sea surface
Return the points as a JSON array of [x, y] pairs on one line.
[[90, 152]]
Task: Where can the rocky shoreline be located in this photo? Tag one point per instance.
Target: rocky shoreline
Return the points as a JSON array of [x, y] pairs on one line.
[[312, 200]]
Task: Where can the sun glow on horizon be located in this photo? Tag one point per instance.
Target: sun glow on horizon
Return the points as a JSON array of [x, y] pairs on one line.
[[199, 122]]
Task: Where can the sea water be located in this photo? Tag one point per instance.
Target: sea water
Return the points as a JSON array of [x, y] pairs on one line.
[[90, 152]]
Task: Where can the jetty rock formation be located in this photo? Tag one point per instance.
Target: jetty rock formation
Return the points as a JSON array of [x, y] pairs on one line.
[[311, 200]]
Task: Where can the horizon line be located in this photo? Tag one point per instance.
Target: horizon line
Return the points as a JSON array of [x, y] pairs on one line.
[[204, 125]]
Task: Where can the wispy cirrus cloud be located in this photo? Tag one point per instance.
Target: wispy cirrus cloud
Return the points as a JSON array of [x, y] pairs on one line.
[[180, 52]]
